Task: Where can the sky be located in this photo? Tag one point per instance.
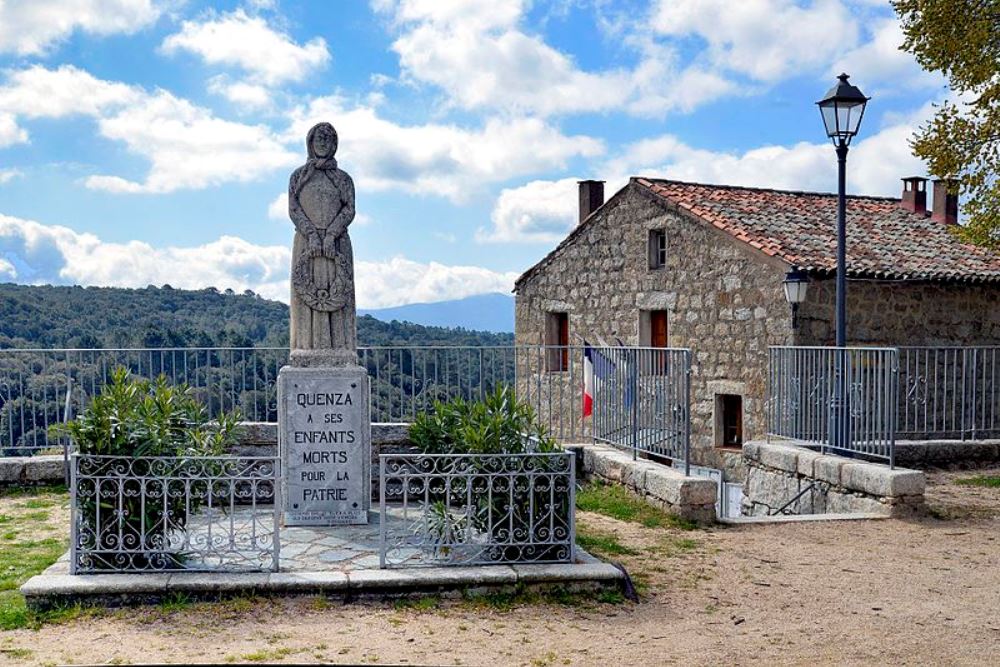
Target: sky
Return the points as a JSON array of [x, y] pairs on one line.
[[150, 141]]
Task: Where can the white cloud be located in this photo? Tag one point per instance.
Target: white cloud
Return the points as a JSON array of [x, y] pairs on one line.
[[187, 146], [278, 209], [10, 133], [881, 62], [268, 56], [378, 283], [545, 211], [477, 53], [537, 212], [875, 164], [30, 27], [438, 159], [764, 39], [9, 174], [35, 253], [241, 93]]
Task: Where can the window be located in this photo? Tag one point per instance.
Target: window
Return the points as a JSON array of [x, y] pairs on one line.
[[728, 420], [557, 338], [657, 248]]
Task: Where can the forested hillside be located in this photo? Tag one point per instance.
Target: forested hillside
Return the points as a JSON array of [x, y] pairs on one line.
[[103, 317]]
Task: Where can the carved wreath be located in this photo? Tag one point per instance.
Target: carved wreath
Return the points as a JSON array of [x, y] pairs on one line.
[[325, 299]]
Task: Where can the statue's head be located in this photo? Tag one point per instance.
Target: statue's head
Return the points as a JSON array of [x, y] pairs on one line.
[[321, 142]]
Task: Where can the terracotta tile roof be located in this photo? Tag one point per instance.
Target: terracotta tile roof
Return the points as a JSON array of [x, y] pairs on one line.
[[883, 239]]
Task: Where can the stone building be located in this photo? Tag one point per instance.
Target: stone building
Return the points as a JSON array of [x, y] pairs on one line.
[[669, 263]]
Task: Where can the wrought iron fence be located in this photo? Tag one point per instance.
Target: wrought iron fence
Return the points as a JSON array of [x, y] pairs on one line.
[[949, 393], [476, 509], [148, 514], [843, 399]]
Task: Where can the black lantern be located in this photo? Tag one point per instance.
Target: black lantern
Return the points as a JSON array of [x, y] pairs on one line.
[[842, 109], [796, 283]]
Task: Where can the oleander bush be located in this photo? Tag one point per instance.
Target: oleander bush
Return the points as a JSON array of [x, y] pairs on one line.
[[133, 505]]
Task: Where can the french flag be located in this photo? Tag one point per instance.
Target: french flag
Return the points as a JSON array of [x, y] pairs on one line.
[[595, 365]]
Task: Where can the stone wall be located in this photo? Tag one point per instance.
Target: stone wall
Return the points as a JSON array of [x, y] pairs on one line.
[[691, 498], [891, 313], [724, 300], [775, 474]]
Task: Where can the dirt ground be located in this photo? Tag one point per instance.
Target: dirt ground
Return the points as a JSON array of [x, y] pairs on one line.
[[916, 592]]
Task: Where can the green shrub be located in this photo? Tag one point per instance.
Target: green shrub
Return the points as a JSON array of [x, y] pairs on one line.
[[138, 417], [132, 523], [483, 503], [498, 424]]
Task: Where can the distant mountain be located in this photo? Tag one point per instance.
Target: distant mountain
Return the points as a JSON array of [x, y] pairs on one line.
[[92, 317], [483, 312]]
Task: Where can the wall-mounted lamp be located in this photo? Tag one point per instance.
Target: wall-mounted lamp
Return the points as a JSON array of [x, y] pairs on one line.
[[796, 283]]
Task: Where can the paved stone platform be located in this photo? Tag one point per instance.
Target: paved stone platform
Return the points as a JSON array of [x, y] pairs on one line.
[[341, 561]]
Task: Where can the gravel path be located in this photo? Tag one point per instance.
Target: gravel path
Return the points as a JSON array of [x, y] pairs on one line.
[[879, 592]]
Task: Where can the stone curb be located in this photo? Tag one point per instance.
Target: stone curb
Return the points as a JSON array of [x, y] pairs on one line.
[[49, 589]]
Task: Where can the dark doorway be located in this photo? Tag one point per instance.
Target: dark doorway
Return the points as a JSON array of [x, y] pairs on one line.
[[730, 420]]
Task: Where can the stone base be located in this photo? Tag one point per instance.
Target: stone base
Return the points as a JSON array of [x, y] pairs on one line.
[[324, 433], [56, 588], [322, 358]]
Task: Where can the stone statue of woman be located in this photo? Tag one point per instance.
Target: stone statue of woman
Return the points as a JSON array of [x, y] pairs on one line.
[[321, 205]]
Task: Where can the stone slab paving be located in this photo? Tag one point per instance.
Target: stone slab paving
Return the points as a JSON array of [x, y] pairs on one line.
[[340, 560]]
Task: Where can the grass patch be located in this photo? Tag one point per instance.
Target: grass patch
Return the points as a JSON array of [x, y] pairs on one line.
[[521, 596], [426, 603], [602, 544], [618, 503], [265, 655], [26, 551], [987, 481], [174, 602]]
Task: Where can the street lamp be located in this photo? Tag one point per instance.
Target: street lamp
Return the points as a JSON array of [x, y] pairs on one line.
[[796, 283], [842, 110]]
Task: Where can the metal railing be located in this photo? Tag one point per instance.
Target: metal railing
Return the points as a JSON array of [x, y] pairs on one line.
[[842, 399], [949, 393], [641, 389], [642, 400], [476, 509], [149, 514]]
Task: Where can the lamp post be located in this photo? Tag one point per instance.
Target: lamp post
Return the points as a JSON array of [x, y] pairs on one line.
[[842, 110], [796, 283]]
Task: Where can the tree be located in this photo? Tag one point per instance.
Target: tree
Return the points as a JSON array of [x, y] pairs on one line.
[[961, 39]]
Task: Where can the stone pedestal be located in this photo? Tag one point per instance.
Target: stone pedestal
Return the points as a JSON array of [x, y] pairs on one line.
[[324, 436]]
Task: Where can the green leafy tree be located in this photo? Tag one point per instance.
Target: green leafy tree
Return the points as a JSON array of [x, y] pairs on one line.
[[961, 40]]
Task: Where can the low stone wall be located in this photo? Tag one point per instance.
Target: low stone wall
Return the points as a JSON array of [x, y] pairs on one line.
[[690, 498], [256, 439], [17, 470], [923, 454], [777, 472]]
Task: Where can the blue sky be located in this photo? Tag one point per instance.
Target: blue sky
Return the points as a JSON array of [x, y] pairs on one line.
[[150, 141]]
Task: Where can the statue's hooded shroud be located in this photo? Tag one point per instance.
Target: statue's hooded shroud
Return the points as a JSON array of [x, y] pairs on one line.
[[314, 164]]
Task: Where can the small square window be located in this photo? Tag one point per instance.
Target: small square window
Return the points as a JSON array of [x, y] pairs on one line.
[[657, 248]]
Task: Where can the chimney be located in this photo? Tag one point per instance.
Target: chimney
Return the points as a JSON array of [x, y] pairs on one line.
[[591, 197], [915, 195], [945, 202]]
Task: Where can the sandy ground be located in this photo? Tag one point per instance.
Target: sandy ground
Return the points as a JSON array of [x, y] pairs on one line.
[[894, 592]]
